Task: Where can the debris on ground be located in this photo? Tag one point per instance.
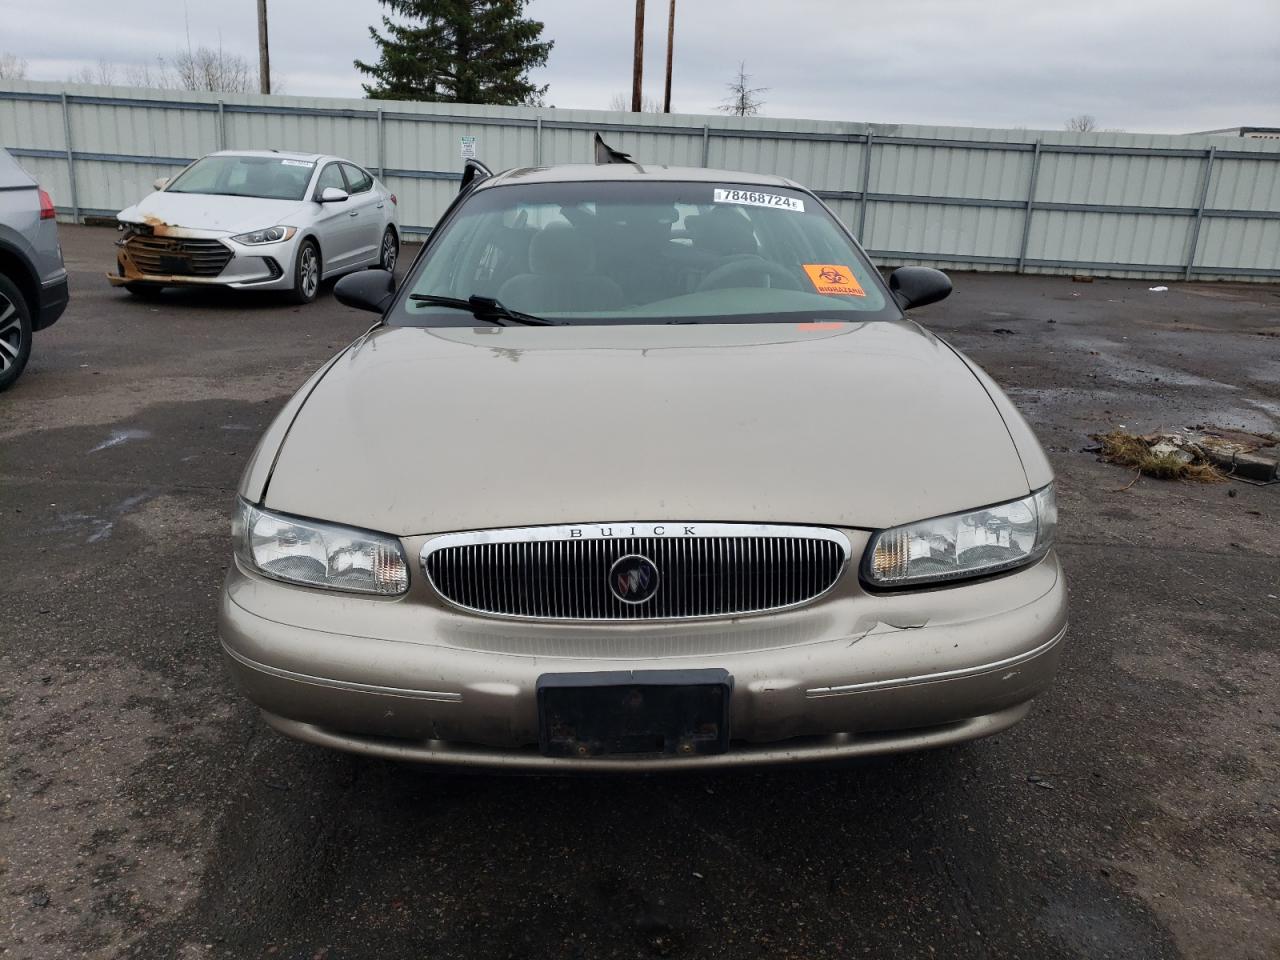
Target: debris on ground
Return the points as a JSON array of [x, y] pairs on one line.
[[1081, 278], [1158, 289], [1207, 455], [1130, 450]]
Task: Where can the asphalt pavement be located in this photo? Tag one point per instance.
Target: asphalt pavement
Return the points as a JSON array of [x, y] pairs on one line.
[[146, 811]]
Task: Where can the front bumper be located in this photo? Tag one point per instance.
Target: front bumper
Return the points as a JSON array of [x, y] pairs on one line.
[[265, 267], [850, 674]]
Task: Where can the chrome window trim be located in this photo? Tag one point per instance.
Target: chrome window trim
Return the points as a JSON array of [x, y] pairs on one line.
[[675, 529]]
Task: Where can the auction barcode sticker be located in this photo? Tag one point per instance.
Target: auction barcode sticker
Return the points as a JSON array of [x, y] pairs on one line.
[[752, 198], [297, 163]]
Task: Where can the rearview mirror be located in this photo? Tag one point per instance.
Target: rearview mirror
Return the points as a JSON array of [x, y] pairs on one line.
[[917, 286], [160, 182], [366, 290], [332, 195]]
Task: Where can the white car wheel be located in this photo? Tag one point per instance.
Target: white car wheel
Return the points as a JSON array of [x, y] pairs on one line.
[[390, 250], [306, 278]]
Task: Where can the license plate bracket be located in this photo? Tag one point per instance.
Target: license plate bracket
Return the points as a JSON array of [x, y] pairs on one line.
[[634, 713]]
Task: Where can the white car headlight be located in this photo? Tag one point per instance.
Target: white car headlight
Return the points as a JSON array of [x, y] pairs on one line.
[[267, 235], [963, 545], [318, 554]]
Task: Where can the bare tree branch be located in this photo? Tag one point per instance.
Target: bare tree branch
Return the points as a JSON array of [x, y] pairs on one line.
[[622, 102], [744, 100], [12, 67], [103, 73], [208, 69]]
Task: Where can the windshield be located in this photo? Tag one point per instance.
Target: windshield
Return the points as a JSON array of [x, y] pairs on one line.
[[604, 252], [270, 178]]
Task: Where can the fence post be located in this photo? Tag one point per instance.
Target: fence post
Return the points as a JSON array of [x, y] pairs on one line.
[[866, 186], [706, 144], [537, 147], [222, 126], [1031, 202], [1195, 226], [382, 150], [71, 163]]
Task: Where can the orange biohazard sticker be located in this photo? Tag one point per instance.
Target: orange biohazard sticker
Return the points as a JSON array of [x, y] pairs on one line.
[[832, 278]]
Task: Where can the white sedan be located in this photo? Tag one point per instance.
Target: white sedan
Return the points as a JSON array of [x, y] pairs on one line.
[[259, 220]]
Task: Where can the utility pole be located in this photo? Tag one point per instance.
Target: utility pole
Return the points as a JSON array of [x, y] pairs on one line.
[[637, 69], [264, 58], [671, 42]]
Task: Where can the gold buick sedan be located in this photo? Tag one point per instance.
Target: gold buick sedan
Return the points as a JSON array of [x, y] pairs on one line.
[[643, 468]]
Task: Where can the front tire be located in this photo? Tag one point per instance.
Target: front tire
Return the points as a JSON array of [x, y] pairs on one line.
[[306, 272], [389, 252], [15, 332]]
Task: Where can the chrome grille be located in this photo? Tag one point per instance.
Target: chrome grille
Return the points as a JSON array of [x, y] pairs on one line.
[[177, 256], [562, 573]]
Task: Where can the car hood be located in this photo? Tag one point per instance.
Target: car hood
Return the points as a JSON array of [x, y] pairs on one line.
[[202, 214], [423, 430]]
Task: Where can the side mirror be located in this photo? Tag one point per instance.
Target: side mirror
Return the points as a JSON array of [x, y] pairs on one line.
[[332, 195], [160, 182], [366, 290], [917, 286]]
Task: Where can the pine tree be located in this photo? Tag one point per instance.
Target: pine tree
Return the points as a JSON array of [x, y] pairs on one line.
[[457, 51]]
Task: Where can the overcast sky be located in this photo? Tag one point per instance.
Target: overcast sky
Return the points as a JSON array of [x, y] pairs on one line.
[[1163, 66]]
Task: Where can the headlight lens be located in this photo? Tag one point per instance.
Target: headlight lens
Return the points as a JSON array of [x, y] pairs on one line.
[[269, 235], [964, 544], [318, 554]]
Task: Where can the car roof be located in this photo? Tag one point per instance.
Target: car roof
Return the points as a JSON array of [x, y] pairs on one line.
[[281, 154], [631, 172]]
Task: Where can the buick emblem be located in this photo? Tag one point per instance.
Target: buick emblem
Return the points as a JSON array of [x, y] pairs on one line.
[[633, 579]]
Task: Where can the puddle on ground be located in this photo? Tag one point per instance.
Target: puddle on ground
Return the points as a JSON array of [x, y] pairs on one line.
[[96, 527], [121, 436], [1128, 370], [1060, 395], [1269, 407]]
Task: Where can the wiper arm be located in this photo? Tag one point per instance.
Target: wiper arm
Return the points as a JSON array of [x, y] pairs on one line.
[[483, 308], [489, 307]]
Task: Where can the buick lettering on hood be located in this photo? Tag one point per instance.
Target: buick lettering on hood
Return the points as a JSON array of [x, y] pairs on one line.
[[643, 468]]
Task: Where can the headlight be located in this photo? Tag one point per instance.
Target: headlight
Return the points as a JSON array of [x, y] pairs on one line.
[[269, 235], [964, 544], [318, 554]]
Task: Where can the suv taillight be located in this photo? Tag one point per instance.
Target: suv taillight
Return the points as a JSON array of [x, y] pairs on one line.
[[394, 201], [46, 206]]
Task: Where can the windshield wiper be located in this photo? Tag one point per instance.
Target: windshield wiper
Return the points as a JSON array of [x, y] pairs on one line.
[[484, 308]]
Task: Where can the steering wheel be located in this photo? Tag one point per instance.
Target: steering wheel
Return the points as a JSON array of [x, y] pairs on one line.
[[726, 275]]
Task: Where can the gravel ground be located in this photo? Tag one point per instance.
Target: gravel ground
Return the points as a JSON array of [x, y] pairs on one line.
[[147, 812]]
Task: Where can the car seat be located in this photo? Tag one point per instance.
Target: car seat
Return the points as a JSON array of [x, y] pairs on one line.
[[562, 277], [724, 232]]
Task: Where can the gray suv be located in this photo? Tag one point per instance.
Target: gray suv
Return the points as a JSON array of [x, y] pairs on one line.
[[33, 280]]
